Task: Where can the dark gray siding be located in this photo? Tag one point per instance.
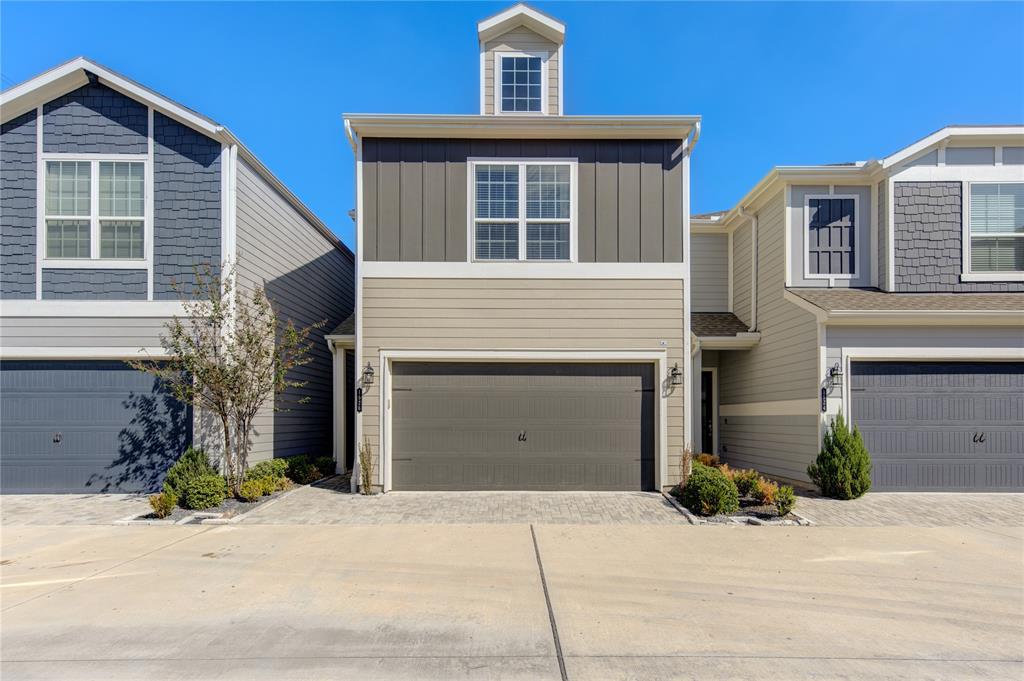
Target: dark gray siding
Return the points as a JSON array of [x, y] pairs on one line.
[[882, 243], [308, 280], [94, 284], [186, 210], [415, 203], [95, 120], [18, 207], [928, 240]]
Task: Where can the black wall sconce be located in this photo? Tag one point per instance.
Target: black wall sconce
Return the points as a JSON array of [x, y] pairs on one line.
[[368, 375], [675, 376], [835, 374]]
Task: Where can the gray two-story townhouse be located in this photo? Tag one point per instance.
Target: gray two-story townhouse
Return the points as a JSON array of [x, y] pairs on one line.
[[111, 195], [891, 290], [523, 284]]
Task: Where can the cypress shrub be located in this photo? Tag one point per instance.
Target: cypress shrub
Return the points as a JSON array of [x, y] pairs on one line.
[[843, 467]]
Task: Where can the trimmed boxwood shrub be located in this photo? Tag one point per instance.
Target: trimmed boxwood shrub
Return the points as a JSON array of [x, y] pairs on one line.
[[191, 465], [708, 492], [301, 471], [843, 467], [746, 481], [251, 490], [205, 491], [274, 468]]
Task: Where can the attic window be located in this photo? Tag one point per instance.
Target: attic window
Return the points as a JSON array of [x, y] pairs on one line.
[[521, 76]]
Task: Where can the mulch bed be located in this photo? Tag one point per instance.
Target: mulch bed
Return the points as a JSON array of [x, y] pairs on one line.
[[230, 508]]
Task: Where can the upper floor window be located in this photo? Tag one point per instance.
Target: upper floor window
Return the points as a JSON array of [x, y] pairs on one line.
[[523, 210], [831, 224], [520, 77], [996, 219], [95, 209]]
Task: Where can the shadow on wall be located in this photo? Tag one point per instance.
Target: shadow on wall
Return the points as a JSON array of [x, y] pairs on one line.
[[319, 290], [160, 430]]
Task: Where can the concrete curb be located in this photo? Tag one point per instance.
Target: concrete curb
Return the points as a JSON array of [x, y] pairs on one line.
[[220, 520], [690, 517], [796, 521]]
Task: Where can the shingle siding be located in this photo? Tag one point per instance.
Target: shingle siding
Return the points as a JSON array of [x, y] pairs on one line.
[[187, 202], [95, 119], [928, 240], [94, 284], [18, 207]]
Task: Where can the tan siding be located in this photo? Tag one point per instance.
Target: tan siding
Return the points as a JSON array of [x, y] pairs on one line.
[[709, 269], [741, 288], [130, 333], [520, 40], [308, 280], [782, 367], [524, 314]]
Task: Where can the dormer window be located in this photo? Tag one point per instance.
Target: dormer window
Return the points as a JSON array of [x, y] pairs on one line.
[[521, 76]]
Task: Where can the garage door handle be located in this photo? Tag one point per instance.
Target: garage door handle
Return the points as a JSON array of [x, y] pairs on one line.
[[57, 437]]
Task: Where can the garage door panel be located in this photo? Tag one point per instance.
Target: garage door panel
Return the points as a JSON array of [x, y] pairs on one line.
[[941, 425], [87, 426], [522, 426]]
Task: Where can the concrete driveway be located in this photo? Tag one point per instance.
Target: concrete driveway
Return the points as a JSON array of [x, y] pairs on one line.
[[423, 601]]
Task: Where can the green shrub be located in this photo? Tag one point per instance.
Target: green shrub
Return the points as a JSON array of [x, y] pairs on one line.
[[251, 490], [708, 492], [301, 471], [163, 503], [324, 464], [746, 481], [193, 464], [785, 500], [275, 468], [843, 467], [764, 491], [205, 491]]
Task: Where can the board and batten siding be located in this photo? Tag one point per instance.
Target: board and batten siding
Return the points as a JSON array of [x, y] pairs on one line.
[[308, 280], [520, 39], [415, 204], [524, 314], [709, 271], [742, 288], [781, 368]]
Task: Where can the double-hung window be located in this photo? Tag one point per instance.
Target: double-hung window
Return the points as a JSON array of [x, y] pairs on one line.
[[95, 209], [523, 210], [996, 222]]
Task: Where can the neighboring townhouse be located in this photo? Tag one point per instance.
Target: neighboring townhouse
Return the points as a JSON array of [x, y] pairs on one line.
[[110, 194], [890, 290], [523, 284]]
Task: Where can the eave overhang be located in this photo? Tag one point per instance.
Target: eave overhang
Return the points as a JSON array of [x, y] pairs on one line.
[[521, 127]]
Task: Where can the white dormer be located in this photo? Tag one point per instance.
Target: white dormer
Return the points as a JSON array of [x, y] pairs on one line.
[[521, 63]]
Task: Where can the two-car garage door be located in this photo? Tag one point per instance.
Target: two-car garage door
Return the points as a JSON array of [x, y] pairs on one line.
[[942, 426], [86, 426], [522, 426]]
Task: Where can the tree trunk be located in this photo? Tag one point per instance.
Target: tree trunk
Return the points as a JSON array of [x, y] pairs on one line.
[[228, 459]]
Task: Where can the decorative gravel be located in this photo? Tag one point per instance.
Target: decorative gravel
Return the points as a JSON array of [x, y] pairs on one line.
[[230, 508]]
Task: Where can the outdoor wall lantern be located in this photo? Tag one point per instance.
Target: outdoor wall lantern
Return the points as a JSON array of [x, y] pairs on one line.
[[836, 374], [368, 375], [675, 375]]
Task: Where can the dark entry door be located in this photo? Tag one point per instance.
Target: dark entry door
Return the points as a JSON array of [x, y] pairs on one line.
[[522, 426], [707, 412]]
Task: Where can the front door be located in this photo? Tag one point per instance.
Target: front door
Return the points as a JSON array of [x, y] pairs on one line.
[[707, 412]]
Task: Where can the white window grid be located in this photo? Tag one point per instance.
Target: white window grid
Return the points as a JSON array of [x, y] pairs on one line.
[[970, 235]]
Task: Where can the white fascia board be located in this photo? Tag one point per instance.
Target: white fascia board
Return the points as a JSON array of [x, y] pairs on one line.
[[343, 341], [521, 15], [475, 126], [91, 308], [925, 317], [947, 132], [740, 341]]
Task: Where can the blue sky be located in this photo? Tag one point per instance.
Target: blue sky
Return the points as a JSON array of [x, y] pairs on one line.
[[777, 84]]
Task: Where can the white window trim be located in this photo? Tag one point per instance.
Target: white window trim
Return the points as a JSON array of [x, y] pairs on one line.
[[545, 82], [831, 278], [965, 239], [573, 164], [94, 261]]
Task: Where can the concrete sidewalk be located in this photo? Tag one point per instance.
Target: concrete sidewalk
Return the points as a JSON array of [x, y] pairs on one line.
[[458, 601]]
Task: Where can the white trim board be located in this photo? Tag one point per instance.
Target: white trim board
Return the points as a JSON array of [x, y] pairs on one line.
[[523, 270], [386, 357]]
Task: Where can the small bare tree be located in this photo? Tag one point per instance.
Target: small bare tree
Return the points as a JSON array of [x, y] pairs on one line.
[[228, 356]]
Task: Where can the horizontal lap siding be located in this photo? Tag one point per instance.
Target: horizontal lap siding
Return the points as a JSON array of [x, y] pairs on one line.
[[520, 40], [709, 269], [782, 367], [416, 208], [308, 281], [519, 314], [741, 282], [130, 333]]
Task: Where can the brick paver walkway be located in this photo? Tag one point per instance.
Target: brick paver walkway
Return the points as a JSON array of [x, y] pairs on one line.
[[919, 509], [323, 505], [70, 509]]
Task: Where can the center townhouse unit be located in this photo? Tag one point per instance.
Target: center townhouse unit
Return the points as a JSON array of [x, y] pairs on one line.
[[523, 284]]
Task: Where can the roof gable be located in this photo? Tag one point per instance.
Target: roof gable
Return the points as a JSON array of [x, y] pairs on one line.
[[518, 15]]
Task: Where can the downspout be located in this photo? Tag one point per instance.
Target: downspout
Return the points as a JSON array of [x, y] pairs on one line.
[[755, 264]]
